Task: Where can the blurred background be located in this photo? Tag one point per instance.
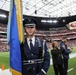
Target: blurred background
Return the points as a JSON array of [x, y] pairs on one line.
[[55, 19]]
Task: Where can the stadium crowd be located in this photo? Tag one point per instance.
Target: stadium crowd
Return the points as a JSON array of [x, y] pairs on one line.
[[53, 33], [3, 43]]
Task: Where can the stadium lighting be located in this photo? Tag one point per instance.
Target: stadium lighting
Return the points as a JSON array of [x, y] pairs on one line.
[[2, 15], [43, 21], [63, 20], [55, 21], [50, 21]]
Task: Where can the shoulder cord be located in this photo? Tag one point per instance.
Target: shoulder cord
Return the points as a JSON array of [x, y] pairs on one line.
[[40, 47], [43, 48], [41, 54], [39, 42]]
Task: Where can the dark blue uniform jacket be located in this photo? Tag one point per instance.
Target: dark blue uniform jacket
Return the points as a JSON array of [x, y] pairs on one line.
[[32, 64], [65, 51]]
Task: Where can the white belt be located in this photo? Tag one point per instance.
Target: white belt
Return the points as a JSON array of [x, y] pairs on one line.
[[34, 61]]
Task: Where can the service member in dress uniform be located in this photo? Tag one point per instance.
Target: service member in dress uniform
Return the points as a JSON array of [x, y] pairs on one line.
[[35, 55], [65, 52]]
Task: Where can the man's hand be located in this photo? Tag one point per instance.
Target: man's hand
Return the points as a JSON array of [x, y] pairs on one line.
[[71, 48]]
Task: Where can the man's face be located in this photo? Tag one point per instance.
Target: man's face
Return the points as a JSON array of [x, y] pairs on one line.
[[30, 31], [56, 44], [65, 40]]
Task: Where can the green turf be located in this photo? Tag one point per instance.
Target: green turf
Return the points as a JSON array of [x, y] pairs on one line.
[[50, 71], [71, 65], [74, 50], [4, 59]]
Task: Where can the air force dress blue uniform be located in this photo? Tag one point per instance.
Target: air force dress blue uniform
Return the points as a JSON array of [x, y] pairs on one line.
[[65, 53], [37, 60], [65, 50]]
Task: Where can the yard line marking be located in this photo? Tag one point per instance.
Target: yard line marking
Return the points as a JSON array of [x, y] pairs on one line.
[[51, 62], [72, 55], [70, 69]]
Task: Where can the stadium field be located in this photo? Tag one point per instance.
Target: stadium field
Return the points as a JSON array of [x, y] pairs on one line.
[[4, 59], [72, 68], [74, 50]]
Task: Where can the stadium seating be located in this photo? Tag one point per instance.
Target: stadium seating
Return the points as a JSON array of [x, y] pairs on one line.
[[53, 33]]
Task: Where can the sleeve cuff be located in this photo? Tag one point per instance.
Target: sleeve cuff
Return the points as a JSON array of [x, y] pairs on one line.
[[43, 71]]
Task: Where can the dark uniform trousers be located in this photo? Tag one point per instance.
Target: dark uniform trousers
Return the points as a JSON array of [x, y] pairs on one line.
[[36, 61], [58, 69], [57, 61], [65, 61]]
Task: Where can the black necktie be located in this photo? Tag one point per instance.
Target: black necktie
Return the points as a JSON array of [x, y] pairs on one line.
[[31, 45]]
